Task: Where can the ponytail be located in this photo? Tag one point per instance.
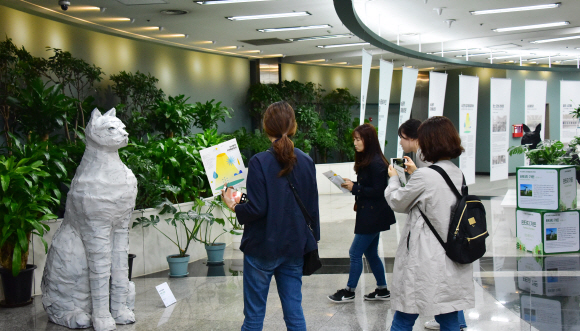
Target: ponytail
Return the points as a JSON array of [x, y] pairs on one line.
[[280, 122]]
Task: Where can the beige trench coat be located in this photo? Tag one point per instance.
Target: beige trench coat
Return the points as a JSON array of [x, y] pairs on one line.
[[425, 280]]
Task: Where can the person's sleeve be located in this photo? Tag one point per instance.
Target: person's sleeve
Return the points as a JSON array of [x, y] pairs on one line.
[[257, 205], [316, 206], [378, 175], [402, 199]]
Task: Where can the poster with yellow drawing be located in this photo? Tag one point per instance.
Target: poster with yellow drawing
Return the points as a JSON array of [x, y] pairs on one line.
[[224, 165]]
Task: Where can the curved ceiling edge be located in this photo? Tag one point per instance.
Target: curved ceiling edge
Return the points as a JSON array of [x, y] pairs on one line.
[[346, 13]]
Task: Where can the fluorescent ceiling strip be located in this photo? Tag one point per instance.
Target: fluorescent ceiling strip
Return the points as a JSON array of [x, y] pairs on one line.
[[542, 58], [533, 26], [330, 36], [455, 51], [514, 9], [292, 28], [477, 54], [342, 45], [265, 16], [219, 2], [554, 39], [503, 57]]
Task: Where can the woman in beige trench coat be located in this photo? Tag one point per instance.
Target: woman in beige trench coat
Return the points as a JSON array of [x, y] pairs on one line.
[[425, 280]]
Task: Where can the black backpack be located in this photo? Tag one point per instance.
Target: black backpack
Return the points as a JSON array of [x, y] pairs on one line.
[[467, 228]]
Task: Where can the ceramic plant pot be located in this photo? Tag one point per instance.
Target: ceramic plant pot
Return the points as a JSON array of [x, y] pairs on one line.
[[17, 290], [237, 239], [215, 253], [178, 265]]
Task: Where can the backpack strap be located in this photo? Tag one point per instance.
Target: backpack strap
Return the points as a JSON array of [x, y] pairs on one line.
[[432, 229], [448, 180]]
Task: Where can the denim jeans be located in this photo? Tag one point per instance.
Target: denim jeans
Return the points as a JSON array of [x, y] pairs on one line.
[[367, 244], [257, 277], [405, 322], [461, 319]]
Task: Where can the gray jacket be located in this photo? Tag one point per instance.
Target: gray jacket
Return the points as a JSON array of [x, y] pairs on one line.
[[425, 280]]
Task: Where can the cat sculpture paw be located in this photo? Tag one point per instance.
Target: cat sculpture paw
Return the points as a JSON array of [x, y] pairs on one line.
[[104, 323], [124, 316]]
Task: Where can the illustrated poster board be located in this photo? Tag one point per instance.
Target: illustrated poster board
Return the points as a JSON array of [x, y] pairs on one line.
[[569, 100], [224, 165], [546, 187], [468, 96], [500, 99]]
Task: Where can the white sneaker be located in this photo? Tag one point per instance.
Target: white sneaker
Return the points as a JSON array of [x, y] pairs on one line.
[[432, 325]]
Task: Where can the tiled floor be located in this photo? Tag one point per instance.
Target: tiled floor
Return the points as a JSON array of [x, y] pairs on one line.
[[512, 287]]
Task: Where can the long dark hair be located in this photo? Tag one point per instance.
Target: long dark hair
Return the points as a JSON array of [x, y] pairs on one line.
[[280, 123], [439, 139], [372, 147]]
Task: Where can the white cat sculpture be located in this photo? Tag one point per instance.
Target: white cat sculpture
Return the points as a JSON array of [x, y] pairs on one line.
[[90, 248]]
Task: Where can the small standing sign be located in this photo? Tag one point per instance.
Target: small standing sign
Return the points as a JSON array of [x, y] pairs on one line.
[[166, 294]]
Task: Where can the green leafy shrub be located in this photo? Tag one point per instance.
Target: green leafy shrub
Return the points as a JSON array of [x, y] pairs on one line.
[[206, 115], [173, 116]]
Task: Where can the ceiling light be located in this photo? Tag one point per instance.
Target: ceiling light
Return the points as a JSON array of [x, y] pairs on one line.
[[259, 17], [477, 54], [455, 51], [292, 28], [174, 12], [503, 57], [342, 45], [218, 2], [513, 9], [533, 26], [554, 39], [330, 36], [542, 58]]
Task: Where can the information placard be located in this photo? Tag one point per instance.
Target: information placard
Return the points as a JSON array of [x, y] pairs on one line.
[[545, 232], [546, 187], [166, 294], [500, 99], [468, 96]]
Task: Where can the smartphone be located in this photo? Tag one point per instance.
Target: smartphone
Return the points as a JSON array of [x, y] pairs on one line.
[[399, 161]]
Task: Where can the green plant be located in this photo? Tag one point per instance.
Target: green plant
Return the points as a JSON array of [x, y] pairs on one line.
[[172, 116], [16, 67], [205, 236], [26, 200], [206, 115], [547, 152], [230, 216], [299, 94], [325, 139], [137, 93], [75, 76], [43, 109], [260, 96], [337, 106]]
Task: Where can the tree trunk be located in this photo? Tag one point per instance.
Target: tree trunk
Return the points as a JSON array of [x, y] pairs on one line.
[[6, 253]]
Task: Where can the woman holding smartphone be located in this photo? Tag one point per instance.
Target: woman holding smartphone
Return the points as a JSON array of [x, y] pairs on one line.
[[410, 143], [373, 214]]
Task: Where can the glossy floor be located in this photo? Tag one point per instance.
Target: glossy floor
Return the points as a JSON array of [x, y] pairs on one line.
[[513, 289]]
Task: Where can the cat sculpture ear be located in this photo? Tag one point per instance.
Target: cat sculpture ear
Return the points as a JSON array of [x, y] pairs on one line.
[[96, 114], [538, 128], [526, 128], [112, 112]]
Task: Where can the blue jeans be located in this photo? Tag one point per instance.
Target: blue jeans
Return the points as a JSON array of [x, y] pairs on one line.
[[461, 319], [367, 244], [257, 277], [405, 322]]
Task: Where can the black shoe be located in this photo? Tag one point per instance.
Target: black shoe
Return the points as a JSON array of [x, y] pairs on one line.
[[378, 294], [342, 296]]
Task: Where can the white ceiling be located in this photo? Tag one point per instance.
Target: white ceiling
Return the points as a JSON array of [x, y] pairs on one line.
[[413, 21]]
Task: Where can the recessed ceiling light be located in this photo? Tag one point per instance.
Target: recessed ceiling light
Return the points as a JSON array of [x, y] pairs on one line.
[[513, 9], [330, 36], [533, 26], [554, 39], [342, 45], [292, 28], [265, 16], [219, 2], [174, 12]]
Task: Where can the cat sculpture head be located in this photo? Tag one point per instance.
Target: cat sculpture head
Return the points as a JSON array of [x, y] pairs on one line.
[[531, 138], [106, 131]]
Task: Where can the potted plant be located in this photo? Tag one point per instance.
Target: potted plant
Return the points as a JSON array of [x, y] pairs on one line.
[[27, 198], [172, 116], [191, 222], [215, 250], [237, 228]]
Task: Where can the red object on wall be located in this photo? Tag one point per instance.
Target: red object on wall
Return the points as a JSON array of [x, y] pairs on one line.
[[370, 119], [517, 130]]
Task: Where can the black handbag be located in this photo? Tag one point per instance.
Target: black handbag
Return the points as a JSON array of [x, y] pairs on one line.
[[311, 259]]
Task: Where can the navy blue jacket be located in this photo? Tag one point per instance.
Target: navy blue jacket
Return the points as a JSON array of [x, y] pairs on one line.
[[373, 213], [274, 225]]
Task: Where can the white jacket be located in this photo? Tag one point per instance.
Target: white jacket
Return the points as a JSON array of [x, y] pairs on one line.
[[425, 280]]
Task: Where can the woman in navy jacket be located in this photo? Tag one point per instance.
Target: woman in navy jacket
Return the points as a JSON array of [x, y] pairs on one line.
[[373, 214], [276, 235]]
